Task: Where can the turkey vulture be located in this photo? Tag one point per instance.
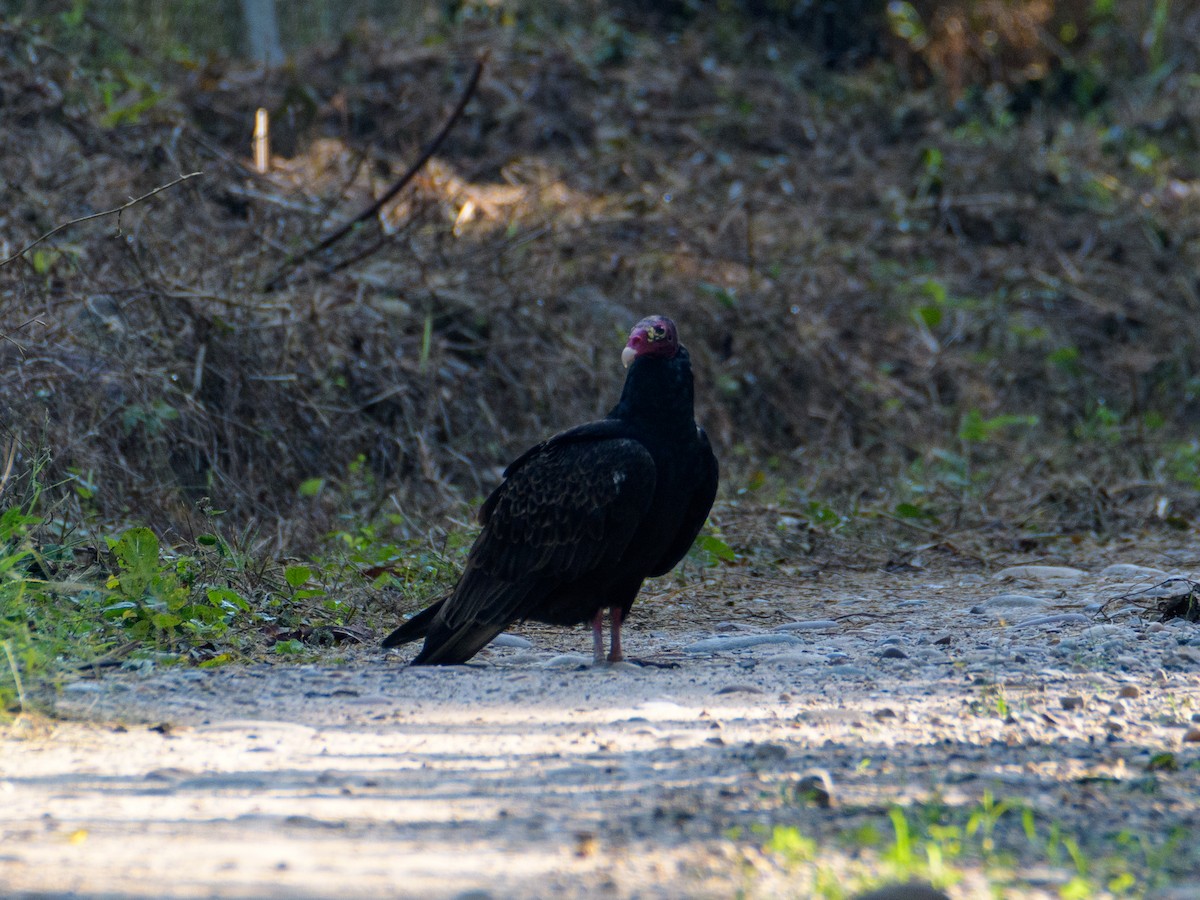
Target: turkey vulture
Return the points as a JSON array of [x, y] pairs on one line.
[[582, 519]]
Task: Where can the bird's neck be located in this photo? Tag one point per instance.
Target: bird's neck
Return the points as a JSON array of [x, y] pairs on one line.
[[658, 392]]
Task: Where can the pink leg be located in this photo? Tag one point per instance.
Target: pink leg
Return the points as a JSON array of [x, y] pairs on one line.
[[615, 655], [598, 637]]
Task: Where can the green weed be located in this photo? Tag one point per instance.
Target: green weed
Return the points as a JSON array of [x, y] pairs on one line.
[[67, 605], [993, 701], [1000, 838]]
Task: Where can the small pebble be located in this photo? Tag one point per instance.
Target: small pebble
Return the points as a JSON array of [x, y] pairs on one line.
[[1096, 632], [567, 661], [796, 658], [1128, 570], [1014, 601], [811, 625], [1192, 736], [1056, 619], [740, 689], [741, 642], [1186, 655], [913, 890], [1040, 573], [1129, 692], [1176, 587], [766, 752], [816, 786], [83, 687], [625, 666], [988, 657], [893, 653], [585, 844], [850, 671], [1073, 701], [726, 627], [511, 640]]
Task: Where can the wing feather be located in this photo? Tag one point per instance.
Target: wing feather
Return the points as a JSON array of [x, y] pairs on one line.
[[567, 511]]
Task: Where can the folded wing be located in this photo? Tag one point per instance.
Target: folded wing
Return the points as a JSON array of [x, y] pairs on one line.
[[566, 512]]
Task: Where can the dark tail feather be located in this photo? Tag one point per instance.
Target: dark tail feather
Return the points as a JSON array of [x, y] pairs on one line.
[[497, 606], [449, 647], [415, 628]]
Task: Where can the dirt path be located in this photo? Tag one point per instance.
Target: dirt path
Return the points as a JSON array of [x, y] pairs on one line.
[[528, 776]]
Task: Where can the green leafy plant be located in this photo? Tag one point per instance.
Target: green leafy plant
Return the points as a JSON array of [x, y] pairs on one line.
[[789, 843], [710, 550], [934, 299], [938, 843], [914, 511], [724, 296], [1183, 463], [411, 564], [975, 429], [154, 417], [992, 702]]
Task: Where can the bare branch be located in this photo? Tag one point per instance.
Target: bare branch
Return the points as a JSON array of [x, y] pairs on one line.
[[299, 259], [5, 335], [108, 212]]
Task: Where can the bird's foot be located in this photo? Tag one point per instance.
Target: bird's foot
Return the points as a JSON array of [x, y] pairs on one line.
[[622, 665], [653, 663], [615, 665]]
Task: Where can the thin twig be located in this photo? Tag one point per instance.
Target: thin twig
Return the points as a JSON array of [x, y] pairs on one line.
[[371, 211], [16, 675], [353, 258], [111, 658], [20, 349], [941, 537], [8, 465], [108, 212]]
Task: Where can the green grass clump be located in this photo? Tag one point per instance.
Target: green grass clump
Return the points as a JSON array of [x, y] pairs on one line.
[[998, 840], [71, 605]]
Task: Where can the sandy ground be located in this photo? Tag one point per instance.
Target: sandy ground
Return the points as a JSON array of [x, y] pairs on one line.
[[531, 775]]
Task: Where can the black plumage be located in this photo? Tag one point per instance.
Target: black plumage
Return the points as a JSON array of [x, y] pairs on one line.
[[582, 519]]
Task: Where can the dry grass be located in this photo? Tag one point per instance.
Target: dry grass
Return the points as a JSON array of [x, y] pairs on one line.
[[855, 269]]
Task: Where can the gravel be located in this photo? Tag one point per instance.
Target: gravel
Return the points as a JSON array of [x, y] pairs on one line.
[[533, 773]]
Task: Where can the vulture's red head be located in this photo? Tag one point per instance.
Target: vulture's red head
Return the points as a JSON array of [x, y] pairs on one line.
[[653, 336]]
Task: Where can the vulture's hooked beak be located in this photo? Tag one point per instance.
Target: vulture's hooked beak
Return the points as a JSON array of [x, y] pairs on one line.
[[628, 355]]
